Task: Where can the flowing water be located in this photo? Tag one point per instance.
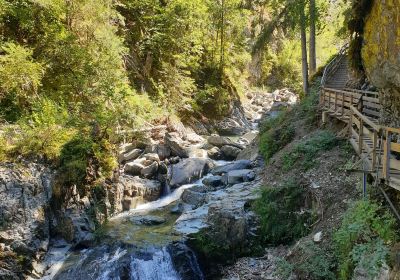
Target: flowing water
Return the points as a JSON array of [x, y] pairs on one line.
[[137, 251]]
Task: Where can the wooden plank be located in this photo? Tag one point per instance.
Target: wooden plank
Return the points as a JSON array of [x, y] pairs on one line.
[[365, 119], [394, 164], [372, 105], [392, 129], [370, 99], [354, 144], [353, 132], [362, 91], [371, 112], [357, 122], [395, 147]]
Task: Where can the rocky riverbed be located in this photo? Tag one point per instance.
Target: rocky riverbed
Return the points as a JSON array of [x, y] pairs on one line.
[[170, 194]]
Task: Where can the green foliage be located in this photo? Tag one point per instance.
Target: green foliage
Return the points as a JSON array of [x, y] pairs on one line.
[[20, 78], [275, 139], [281, 218], [316, 263], [361, 238], [84, 159], [305, 152]]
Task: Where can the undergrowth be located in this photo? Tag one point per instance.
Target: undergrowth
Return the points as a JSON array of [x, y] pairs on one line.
[[304, 153], [282, 215], [362, 239]]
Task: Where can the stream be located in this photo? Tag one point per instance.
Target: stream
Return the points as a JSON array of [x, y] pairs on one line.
[[136, 249]]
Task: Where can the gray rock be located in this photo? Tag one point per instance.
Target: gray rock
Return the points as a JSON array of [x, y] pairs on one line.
[[133, 168], [188, 171], [230, 152], [177, 209], [176, 145], [131, 155], [152, 157], [162, 168], [148, 220], [214, 181], [214, 153], [239, 176], [220, 141], [163, 151], [150, 171], [236, 165], [196, 199]]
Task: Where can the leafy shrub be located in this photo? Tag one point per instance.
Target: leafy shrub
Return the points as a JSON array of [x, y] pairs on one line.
[[44, 131], [361, 238], [316, 263], [275, 139], [213, 101], [281, 218], [84, 159], [306, 151]]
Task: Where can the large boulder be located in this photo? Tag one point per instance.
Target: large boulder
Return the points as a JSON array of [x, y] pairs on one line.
[[133, 168], [212, 181], [150, 171], [194, 198], [236, 165], [188, 171], [230, 152], [176, 145], [239, 176], [185, 261], [214, 153], [220, 141], [137, 191], [131, 155]]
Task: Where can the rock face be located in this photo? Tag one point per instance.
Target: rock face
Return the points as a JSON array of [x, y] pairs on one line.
[[188, 171], [380, 56], [132, 191], [24, 223]]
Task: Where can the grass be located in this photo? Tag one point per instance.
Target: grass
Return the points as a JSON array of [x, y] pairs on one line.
[[304, 153]]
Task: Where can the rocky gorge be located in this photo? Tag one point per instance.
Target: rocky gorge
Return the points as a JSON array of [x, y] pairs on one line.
[[177, 207]]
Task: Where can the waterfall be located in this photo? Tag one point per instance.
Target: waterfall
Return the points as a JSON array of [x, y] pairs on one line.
[[159, 267]]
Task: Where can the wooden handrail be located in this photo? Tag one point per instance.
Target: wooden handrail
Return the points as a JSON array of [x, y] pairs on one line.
[[375, 126]]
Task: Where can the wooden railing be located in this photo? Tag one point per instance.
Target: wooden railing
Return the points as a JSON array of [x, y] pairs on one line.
[[375, 144]]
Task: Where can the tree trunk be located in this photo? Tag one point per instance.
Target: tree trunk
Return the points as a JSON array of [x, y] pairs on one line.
[[222, 61], [312, 54], [304, 49]]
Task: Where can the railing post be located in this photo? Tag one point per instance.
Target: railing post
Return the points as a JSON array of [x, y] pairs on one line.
[[343, 103], [336, 100], [329, 101], [360, 137], [387, 155], [375, 141], [350, 123]]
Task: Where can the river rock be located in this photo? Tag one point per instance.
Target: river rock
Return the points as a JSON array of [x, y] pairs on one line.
[[133, 154], [163, 151], [188, 171], [149, 220], [135, 191], [214, 153], [239, 176], [230, 152], [163, 168], [213, 181], [133, 168], [152, 157], [196, 199], [220, 141], [236, 165], [176, 145], [185, 261], [150, 171]]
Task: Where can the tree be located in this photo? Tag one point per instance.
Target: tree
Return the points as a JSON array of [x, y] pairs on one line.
[[303, 26], [312, 51]]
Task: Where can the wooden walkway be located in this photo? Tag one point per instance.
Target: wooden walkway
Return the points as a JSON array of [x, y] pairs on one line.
[[375, 144]]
